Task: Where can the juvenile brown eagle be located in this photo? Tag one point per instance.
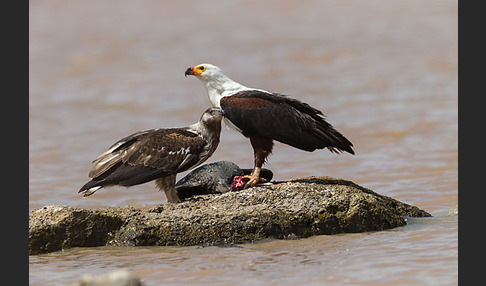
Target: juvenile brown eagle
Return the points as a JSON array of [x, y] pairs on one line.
[[156, 154], [264, 116]]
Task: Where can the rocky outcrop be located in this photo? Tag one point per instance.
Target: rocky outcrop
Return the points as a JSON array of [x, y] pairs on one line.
[[291, 209]]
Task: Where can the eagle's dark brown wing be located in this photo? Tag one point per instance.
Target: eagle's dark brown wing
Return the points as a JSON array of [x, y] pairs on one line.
[[145, 156], [287, 120]]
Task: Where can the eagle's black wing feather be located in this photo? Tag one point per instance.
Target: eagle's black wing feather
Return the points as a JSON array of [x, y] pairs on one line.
[[287, 120]]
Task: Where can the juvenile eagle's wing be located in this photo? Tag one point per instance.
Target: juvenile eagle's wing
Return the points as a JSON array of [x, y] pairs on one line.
[[146, 155]]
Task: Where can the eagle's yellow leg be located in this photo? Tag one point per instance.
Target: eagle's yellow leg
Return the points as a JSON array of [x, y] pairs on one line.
[[262, 147], [254, 178]]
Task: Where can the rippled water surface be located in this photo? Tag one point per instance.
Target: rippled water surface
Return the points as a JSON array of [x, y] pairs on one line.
[[384, 73]]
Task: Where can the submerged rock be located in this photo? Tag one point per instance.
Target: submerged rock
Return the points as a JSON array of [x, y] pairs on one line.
[[291, 209], [115, 278], [454, 211]]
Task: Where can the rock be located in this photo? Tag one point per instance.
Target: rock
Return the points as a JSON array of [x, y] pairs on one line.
[[454, 211], [55, 227], [115, 278], [213, 178], [289, 209]]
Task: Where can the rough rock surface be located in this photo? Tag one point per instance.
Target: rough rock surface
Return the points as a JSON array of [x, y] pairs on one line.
[[292, 209]]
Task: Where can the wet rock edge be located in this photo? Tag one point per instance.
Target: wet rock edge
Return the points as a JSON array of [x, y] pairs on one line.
[[285, 210]]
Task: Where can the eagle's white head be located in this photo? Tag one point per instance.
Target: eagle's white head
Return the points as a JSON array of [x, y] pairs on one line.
[[216, 82], [205, 71]]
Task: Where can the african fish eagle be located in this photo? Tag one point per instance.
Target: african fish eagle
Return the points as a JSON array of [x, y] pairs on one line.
[[156, 154], [264, 116]]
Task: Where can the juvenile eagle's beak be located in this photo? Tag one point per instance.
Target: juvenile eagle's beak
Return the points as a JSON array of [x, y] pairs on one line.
[[189, 71]]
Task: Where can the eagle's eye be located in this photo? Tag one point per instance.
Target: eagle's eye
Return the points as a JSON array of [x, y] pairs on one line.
[[202, 68]]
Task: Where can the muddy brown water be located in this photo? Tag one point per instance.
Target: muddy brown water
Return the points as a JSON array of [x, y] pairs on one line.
[[384, 73]]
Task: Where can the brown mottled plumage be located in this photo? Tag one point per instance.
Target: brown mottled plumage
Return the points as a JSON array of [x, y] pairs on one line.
[[156, 154]]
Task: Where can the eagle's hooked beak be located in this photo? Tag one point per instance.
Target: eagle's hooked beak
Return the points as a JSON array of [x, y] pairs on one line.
[[189, 71], [197, 70]]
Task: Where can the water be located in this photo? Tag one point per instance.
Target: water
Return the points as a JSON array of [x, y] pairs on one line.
[[384, 73], [376, 258]]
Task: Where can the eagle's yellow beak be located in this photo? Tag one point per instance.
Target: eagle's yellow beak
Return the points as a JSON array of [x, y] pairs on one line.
[[194, 71]]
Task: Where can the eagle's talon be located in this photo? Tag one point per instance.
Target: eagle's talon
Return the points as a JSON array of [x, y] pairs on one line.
[[254, 181], [245, 182]]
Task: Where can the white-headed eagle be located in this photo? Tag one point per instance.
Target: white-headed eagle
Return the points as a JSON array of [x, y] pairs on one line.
[[264, 116], [156, 154]]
